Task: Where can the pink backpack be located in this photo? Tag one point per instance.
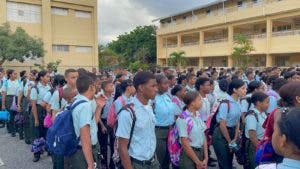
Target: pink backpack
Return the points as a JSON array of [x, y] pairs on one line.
[[176, 101], [48, 121], [112, 113], [174, 146]]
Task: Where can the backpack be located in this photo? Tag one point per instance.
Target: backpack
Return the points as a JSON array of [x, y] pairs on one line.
[[211, 122], [112, 113], [116, 157], [248, 99], [174, 146], [61, 138]]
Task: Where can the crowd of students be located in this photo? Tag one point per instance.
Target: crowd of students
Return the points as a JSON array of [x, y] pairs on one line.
[[125, 120]]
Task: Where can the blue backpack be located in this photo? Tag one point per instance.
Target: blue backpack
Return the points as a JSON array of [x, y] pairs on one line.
[[61, 138]]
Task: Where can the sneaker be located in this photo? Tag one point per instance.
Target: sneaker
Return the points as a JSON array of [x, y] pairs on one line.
[[27, 142], [36, 158], [13, 134]]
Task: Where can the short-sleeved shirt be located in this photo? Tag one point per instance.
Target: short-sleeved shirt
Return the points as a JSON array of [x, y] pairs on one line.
[[197, 135], [178, 102], [118, 103], [143, 141], [165, 110], [255, 124], [232, 117], [107, 106], [245, 104], [205, 109], [11, 87], [47, 97], [24, 89], [39, 95], [272, 104], [54, 101], [83, 115], [190, 89]]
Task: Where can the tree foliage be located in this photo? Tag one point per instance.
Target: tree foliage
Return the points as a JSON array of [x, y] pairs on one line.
[[107, 58], [177, 59], [138, 45], [50, 65], [241, 50], [18, 45]]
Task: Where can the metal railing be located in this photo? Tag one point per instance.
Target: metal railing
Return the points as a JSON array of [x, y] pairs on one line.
[[286, 33], [170, 46], [208, 41], [189, 43]]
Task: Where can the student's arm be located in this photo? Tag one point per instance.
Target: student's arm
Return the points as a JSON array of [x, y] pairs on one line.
[[86, 143], [20, 95], [3, 99], [253, 137], [223, 113], [189, 151], [224, 131], [125, 159], [237, 131], [205, 146], [35, 113]]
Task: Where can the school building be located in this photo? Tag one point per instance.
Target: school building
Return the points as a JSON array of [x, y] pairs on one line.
[[68, 29], [206, 32]]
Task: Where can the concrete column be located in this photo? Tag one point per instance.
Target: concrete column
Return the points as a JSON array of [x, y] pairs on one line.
[[2, 12], [160, 48], [95, 22], [201, 62], [269, 60], [47, 31], [201, 47], [179, 41], [230, 45]]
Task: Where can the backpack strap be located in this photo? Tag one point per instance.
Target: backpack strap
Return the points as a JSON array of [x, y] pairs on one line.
[[252, 112], [36, 88], [129, 108], [189, 122], [60, 95], [73, 106]]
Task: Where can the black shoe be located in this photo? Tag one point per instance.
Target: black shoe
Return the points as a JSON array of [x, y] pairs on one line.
[[27, 142], [36, 158], [211, 164], [21, 137], [13, 134]]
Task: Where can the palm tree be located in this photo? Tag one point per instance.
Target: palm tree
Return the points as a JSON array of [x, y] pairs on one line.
[[177, 59]]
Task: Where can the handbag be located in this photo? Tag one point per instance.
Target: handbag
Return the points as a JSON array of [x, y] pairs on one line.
[[13, 106], [4, 115], [48, 121], [19, 119]]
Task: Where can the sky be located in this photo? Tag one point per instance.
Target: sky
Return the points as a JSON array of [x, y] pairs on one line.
[[115, 17]]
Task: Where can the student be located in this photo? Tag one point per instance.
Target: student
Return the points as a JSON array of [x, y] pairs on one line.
[[203, 87], [182, 80], [227, 132], [277, 84], [57, 104], [9, 96], [195, 150], [104, 132], [254, 130], [284, 140], [85, 125], [178, 93], [165, 111], [140, 153], [172, 83], [191, 80], [38, 112], [124, 95], [221, 93]]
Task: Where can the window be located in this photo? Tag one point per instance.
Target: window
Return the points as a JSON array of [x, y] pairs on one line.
[[83, 14], [83, 49], [59, 11], [208, 12], [21, 12], [60, 48]]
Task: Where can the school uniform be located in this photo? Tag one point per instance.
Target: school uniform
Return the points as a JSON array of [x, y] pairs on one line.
[[143, 140], [178, 102], [286, 164], [190, 89], [165, 111], [37, 94], [205, 109], [119, 104], [11, 89], [83, 115], [232, 119], [197, 138], [56, 103], [255, 124]]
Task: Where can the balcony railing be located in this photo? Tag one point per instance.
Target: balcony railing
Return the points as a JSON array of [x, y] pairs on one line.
[[286, 33], [208, 41], [254, 36], [221, 12], [190, 43], [170, 46]]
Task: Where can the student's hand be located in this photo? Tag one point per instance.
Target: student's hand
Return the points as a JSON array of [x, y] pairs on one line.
[[36, 123], [199, 165], [103, 129], [204, 163], [101, 101], [19, 109]]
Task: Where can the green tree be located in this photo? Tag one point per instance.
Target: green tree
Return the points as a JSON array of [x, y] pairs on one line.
[[177, 59], [140, 43], [49, 66], [107, 58], [18, 45], [241, 50]]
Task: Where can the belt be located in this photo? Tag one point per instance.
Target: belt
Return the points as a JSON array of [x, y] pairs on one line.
[[196, 149], [162, 127], [146, 162], [80, 147]]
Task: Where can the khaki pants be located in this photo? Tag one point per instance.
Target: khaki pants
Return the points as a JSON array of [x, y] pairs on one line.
[[154, 165], [186, 162], [162, 147]]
